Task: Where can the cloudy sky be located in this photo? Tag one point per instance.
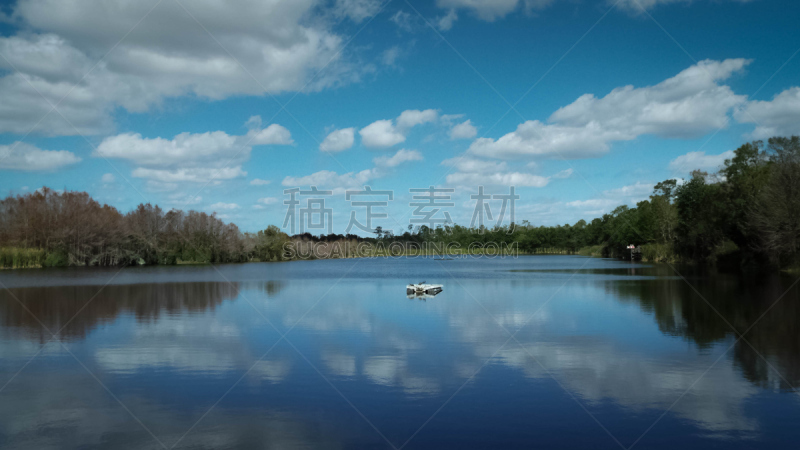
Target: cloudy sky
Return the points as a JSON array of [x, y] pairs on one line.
[[582, 105]]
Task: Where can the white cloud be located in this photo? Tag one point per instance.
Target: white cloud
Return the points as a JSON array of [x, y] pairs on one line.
[[187, 149], [287, 45], [183, 148], [608, 200], [699, 161], [338, 140], [195, 175], [403, 20], [446, 21], [448, 119], [329, 180], [413, 117], [491, 10], [596, 204], [108, 178], [197, 157], [637, 190], [263, 202], [182, 199], [566, 173], [381, 134], [386, 133], [463, 130], [488, 10], [221, 206], [475, 172], [161, 186], [338, 183], [259, 182], [390, 55], [777, 117], [358, 10], [398, 158], [635, 6], [500, 179], [536, 139], [684, 106], [272, 135], [22, 156], [467, 164]]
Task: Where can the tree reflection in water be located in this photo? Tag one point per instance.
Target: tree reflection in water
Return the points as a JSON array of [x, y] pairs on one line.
[[79, 309], [739, 302]]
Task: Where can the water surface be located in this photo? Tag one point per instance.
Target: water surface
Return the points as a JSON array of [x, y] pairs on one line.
[[528, 352]]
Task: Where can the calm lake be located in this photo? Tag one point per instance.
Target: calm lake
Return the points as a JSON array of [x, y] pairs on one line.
[[527, 352]]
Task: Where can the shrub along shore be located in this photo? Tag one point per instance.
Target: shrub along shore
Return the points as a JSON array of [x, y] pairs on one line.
[[746, 215]]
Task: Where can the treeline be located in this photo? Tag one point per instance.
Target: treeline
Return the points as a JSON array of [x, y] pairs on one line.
[[747, 214], [47, 228]]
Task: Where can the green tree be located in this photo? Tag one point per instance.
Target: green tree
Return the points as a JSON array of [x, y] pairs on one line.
[[775, 215]]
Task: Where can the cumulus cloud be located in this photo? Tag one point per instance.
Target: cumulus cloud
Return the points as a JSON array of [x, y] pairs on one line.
[[475, 172], [636, 6], [488, 10], [463, 130], [413, 117], [684, 106], [491, 10], [22, 156], [381, 134], [183, 148], [405, 21], [699, 161], [259, 182], [566, 173], [518, 179], [282, 43], [386, 133], [272, 135], [338, 140], [330, 180], [358, 10], [182, 199], [267, 200], [609, 199], [474, 165], [263, 202], [390, 55], [398, 158], [195, 157], [338, 183], [446, 21], [221, 206], [777, 117], [194, 175], [161, 186], [108, 178]]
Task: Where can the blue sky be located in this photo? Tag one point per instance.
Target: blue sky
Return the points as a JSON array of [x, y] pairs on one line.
[[581, 105]]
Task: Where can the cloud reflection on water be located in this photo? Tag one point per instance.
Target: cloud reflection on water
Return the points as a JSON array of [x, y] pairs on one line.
[[636, 340]]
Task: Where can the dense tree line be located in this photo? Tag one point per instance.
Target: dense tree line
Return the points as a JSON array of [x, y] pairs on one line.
[[49, 228], [748, 213]]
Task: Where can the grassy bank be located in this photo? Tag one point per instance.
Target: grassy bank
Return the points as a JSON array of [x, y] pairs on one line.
[[726, 252], [649, 252], [22, 258], [593, 250]]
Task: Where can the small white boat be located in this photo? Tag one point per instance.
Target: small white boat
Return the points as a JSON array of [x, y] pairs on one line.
[[423, 288]]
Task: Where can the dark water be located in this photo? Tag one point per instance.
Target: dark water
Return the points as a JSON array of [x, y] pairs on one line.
[[604, 354]]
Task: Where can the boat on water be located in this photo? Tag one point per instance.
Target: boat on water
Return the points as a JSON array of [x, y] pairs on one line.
[[423, 288]]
